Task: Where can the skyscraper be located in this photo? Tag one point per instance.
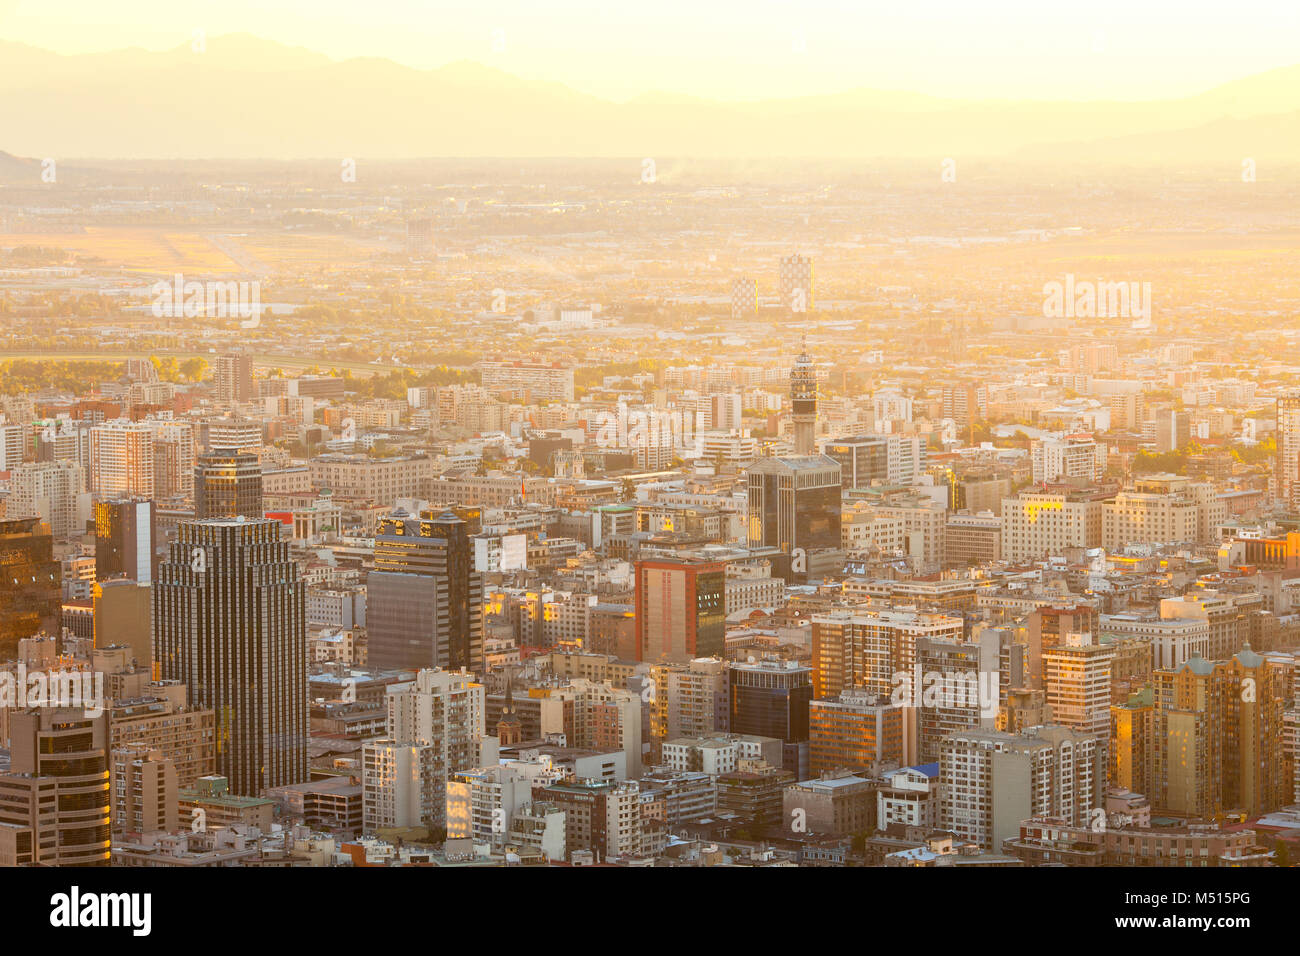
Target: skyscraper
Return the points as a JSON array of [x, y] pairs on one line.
[[771, 699], [681, 606], [30, 583], [1287, 467], [230, 622], [803, 402], [54, 491], [424, 604], [227, 484], [794, 503], [121, 459], [744, 297], [1217, 737], [125, 532], [232, 378], [796, 283]]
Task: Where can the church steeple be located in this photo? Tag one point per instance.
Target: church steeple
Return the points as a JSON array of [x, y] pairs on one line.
[[509, 729]]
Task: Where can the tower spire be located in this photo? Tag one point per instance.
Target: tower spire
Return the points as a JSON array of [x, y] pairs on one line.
[[803, 400]]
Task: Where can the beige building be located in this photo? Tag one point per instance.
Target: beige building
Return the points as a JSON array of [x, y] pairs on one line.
[[1039, 523], [160, 721], [53, 491], [834, 803], [866, 649], [990, 781], [381, 480], [122, 459], [145, 795], [1165, 509], [971, 539]]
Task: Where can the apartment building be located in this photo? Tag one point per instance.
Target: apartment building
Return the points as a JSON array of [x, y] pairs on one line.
[[857, 730], [991, 781], [866, 649]]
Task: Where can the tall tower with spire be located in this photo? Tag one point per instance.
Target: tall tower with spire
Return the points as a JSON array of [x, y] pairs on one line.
[[803, 401]]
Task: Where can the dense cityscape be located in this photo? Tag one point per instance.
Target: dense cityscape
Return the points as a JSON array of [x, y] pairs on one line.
[[649, 513]]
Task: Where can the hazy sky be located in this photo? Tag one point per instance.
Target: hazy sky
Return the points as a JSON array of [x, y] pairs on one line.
[[1129, 49]]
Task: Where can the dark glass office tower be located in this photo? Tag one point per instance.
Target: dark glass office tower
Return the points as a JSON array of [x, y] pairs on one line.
[[125, 532], [794, 503], [771, 699], [862, 459], [424, 600], [31, 580], [230, 620], [227, 484]]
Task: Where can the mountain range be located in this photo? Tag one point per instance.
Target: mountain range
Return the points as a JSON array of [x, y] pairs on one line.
[[244, 97]]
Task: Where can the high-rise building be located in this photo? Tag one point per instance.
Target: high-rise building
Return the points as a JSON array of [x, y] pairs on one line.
[[600, 816], [159, 720], [688, 700], [680, 609], [227, 484], [144, 790], [1132, 746], [1038, 523], [232, 378], [965, 403], [123, 615], [542, 382], [53, 491], [1071, 456], [1218, 736], [863, 459], [419, 236], [230, 622], [232, 434], [1287, 466], [794, 503], [55, 798], [424, 602], [126, 532], [990, 781], [866, 649], [770, 699], [13, 442], [803, 402], [482, 801], [31, 595], [855, 731], [122, 459], [958, 687], [401, 784], [173, 458], [1164, 509], [796, 283], [595, 716], [435, 728], [744, 298]]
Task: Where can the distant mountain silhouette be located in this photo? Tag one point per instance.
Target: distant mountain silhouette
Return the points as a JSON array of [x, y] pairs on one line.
[[244, 97]]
